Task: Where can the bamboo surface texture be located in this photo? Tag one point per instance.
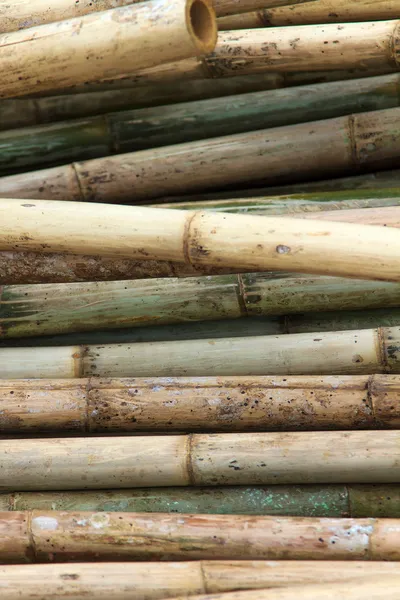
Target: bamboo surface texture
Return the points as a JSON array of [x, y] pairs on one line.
[[320, 11], [52, 309], [48, 56], [354, 500], [224, 240], [52, 536], [134, 130], [196, 404], [200, 459], [33, 267], [157, 580], [338, 146], [226, 7], [357, 352]]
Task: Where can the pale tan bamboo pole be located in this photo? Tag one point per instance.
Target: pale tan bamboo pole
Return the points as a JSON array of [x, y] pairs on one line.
[[237, 241], [157, 580], [372, 588], [228, 7], [357, 352], [47, 536], [200, 404], [332, 146], [370, 45], [44, 57], [200, 459]]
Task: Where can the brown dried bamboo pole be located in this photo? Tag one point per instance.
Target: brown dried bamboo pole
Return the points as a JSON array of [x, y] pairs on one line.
[[333, 146], [200, 459], [222, 240], [45, 57], [220, 404], [41, 536], [157, 580], [357, 352]]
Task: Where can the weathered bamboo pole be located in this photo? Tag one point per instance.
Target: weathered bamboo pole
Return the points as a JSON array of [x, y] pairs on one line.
[[347, 352], [320, 11], [48, 56], [200, 459], [134, 130], [209, 404], [52, 309], [266, 155], [299, 501], [44, 536], [228, 7], [339, 321], [157, 580]]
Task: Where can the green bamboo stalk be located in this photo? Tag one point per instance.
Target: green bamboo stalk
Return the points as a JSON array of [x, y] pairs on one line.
[[347, 352], [141, 129], [30, 310], [303, 500]]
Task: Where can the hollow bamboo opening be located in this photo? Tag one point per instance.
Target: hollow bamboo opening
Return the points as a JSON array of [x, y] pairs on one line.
[[202, 25]]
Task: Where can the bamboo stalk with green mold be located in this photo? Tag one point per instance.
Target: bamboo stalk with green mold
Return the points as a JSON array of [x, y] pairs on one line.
[[79, 463], [157, 580], [199, 404], [362, 500], [141, 129], [353, 352], [258, 156], [54, 536], [51, 309]]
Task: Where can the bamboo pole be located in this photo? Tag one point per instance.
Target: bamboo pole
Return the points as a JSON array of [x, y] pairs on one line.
[[227, 7], [326, 147], [51, 309], [325, 321], [301, 500], [321, 11], [44, 536], [197, 238], [48, 56], [346, 352], [200, 459], [209, 404], [134, 130], [153, 581]]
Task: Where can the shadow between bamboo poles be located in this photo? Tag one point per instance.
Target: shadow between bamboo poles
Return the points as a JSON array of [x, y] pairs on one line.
[[345, 144], [307, 13], [65, 308], [200, 459], [200, 404], [49, 55], [357, 352], [356, 501], [202, 238], [40, 536], [135, 130], [157, 580]]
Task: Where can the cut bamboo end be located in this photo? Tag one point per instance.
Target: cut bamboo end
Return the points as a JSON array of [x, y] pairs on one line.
[[202, 25], [54, 536], [200, 459], [200, 404]]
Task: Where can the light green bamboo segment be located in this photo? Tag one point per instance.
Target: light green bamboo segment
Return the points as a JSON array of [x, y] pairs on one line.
[[320, 11], [345, 352], [133, 130], [312, 457], [333, 146], [52, 309], [158, 580], [199, 404], [305, 500]]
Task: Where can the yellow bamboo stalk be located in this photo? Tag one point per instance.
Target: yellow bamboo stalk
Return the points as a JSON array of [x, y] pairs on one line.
[[47, 536], [46, 57], [200, 404], [157, 580], [200, 459], [228, 7], [223, 240]]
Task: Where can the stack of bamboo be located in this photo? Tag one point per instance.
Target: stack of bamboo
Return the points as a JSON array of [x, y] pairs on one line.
[[200, 374]]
